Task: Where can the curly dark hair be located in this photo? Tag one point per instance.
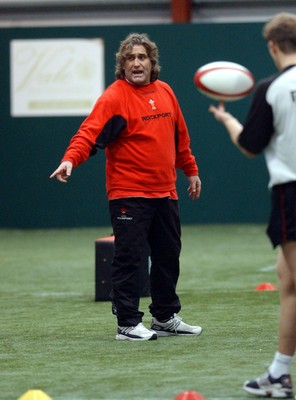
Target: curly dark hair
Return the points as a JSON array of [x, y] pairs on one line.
[[126, 47]]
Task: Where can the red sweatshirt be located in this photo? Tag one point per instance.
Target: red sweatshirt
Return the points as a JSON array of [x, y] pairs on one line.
[[145, 137]]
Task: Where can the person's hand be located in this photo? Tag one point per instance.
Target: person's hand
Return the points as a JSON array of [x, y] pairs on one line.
[[220, 113], [63, 172], [232, 125], [194, 188]]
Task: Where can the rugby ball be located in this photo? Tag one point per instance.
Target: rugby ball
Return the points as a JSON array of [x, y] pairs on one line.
[[224, 81]]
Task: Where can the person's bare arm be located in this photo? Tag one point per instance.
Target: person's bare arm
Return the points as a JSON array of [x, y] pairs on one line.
[[232, 125]]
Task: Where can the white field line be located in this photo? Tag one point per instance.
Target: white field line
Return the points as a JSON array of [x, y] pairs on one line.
[[267, 268]]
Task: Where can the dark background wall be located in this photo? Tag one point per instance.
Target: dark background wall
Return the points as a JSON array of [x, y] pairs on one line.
[[234, 188]]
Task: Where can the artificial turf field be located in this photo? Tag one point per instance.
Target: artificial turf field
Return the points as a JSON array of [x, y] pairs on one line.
[[56, 338]]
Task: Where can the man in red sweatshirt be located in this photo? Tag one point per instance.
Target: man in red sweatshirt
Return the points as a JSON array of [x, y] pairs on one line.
[[139, 123]]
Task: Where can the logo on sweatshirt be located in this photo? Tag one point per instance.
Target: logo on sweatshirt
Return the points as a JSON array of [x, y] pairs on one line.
[[156, 116], [152, 103], [123, 215]]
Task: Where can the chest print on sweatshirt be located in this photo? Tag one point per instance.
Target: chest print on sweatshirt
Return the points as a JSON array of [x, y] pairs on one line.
[[152, 103]]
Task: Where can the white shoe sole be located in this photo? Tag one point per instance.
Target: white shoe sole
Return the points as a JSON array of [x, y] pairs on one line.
[[165, 333], [272, 394], [136, 339]]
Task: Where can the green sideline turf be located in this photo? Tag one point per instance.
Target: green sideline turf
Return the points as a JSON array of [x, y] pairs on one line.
[[56, 338]]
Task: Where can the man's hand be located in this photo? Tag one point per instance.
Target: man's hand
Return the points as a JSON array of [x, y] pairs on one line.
[[232, 125], [63, 172], [194, 188], [220, 113]]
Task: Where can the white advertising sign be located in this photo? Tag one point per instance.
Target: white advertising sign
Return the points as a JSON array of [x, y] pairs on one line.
[[55, 77]]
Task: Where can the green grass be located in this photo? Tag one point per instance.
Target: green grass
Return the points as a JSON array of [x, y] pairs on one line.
[[56, 338]]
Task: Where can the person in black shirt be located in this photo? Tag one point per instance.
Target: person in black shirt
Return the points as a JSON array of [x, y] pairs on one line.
[[270, 127]]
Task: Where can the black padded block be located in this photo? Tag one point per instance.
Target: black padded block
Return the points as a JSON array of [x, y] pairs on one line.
[[104, 253]]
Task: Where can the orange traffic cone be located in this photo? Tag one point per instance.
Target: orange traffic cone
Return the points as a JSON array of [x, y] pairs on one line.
[[265, 286], [189, 395]]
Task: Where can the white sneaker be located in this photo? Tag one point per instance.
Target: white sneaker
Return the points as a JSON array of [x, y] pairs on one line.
[[135, 333], [267, 386], [174, 326]]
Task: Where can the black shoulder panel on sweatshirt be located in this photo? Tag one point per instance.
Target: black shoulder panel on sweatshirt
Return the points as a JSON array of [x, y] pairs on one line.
[[111, 130]]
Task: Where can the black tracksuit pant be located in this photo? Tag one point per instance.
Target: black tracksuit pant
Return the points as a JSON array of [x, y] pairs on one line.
[[135, 221]]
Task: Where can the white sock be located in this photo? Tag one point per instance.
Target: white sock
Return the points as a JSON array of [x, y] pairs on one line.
[[280, 365]]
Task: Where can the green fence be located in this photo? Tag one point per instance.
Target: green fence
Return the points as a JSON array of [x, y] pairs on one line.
[[234, 188]]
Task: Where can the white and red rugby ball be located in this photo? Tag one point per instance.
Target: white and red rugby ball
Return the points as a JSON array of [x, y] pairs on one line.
[[224, 81]]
